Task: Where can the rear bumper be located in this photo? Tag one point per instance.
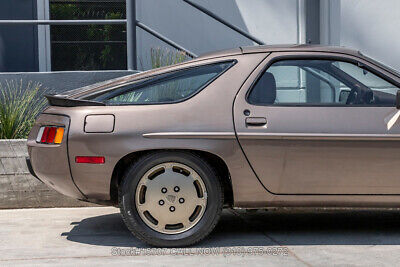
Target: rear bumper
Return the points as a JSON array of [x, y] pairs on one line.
[[29, 165], [50, 163]]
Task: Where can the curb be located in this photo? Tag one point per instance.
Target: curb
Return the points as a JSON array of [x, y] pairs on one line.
[[19, 189]]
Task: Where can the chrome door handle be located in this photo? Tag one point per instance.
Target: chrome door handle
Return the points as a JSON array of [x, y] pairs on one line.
[[256, 121]]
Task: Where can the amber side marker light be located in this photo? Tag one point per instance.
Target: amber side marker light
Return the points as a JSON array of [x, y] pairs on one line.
[[50, 135], [90, 160]]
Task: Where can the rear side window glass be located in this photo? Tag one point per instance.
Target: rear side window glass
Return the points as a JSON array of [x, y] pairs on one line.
[[168, 88]]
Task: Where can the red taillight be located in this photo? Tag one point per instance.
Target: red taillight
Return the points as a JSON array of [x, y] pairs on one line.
[[50, 135], [45, 133], [90, 160]]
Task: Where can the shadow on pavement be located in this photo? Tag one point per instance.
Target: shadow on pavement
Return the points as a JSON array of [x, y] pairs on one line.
[[263, 228]]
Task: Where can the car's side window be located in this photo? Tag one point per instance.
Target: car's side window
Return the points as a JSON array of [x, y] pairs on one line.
[[167, 88], [320, 82]]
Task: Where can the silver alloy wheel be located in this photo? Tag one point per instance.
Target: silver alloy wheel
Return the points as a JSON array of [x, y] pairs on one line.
[[171, 198]]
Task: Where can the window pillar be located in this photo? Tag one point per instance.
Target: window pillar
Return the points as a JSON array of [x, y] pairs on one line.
[[131, 34], [44, 53]]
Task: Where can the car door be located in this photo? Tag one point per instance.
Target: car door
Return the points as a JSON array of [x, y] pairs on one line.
[[320, 123]]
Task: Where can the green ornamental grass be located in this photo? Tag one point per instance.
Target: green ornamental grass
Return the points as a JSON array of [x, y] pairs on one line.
[[19, 106], [161, 57]]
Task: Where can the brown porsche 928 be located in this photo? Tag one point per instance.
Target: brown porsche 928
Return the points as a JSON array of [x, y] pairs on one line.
[[251, 127]]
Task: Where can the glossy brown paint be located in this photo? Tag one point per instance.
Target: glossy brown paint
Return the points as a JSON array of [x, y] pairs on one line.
[[207, 122], [51, 161], [320, 150], [209, 111]]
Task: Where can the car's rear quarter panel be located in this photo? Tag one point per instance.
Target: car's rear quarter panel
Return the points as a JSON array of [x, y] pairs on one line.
[[207, 115], [51, 162]]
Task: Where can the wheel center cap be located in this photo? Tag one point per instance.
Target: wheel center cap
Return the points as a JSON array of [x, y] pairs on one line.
[[171, 198]]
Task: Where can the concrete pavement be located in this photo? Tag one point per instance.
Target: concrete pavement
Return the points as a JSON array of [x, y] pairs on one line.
[[97, 236]]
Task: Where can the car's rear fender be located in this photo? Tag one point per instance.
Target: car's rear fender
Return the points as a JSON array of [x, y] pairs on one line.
[[50, 162], [201, 123]]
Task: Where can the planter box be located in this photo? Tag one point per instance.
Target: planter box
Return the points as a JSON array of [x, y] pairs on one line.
[[19, 189]]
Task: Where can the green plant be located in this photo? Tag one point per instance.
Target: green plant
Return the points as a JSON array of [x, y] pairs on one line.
[[161, 57], [130, 97], [19, 106]]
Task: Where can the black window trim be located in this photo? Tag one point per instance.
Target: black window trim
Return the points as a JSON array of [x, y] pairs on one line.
[[160, 77], [333, 57]]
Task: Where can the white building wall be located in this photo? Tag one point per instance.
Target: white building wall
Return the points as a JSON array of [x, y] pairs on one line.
[[272, 21], [372, 27]]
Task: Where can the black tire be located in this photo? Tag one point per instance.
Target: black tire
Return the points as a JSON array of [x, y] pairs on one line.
[[126, 197]]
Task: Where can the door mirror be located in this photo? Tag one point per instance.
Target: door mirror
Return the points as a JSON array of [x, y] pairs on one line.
[[398, 99]]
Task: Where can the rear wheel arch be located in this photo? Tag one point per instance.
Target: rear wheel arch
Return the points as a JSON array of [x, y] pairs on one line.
[[215, 161]]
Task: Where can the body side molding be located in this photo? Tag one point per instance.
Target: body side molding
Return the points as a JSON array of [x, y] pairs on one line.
[[319, 136], [191, 135]]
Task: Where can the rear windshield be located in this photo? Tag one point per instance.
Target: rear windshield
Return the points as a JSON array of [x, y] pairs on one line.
[[167, 88]]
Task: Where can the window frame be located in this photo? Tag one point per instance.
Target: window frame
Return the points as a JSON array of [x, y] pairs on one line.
[[45, 52], [358, 61], [154, 79]]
